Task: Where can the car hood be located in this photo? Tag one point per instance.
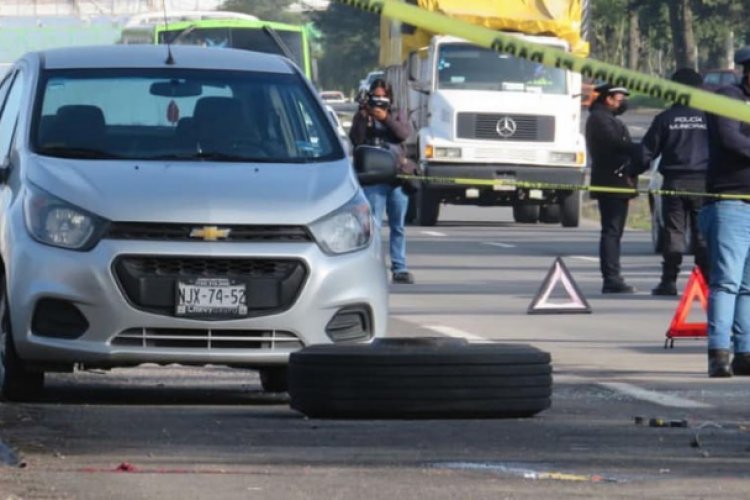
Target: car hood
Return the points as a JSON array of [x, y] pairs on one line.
[[198, 192]]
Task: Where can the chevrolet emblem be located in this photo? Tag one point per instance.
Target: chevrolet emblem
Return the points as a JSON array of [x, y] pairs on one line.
[[209, 233]]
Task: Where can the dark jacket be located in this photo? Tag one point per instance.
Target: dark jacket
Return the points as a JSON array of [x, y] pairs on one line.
[[610, 148], [364, 131], [680, 136], [729, 148]]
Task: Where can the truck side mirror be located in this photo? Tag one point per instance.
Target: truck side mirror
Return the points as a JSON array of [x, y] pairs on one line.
[[374, 165], [413, 62]]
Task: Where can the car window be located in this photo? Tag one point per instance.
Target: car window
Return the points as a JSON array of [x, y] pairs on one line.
[[9, 115], [182, 114]]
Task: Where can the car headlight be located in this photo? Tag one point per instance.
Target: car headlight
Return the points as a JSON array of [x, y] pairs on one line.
[[56, 222], [345, 230]]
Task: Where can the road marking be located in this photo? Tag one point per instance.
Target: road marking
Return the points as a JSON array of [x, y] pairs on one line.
[[434, 233], [653, 396], [455, 332], [583, 257], [498, 244]]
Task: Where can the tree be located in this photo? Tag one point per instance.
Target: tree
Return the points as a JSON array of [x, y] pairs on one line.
[[350, 45]]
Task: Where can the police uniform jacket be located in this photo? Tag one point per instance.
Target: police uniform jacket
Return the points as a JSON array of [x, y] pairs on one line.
[[729, 148], [610, 148], [680, 136]]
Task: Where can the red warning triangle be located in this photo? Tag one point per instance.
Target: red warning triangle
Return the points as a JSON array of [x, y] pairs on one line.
[[542, 304], [696, 288]]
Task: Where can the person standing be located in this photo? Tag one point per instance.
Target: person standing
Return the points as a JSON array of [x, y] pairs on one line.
[[611, 150], [725, 224], [375, 125], [679, 136]]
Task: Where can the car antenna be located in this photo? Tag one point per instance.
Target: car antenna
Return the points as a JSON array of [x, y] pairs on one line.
[[170, 59]]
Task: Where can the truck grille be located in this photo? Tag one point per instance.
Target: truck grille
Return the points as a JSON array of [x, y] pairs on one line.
[[150, 282], [207, 339], [505, 127]]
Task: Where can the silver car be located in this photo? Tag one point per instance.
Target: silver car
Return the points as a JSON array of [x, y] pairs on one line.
[[177, 205]]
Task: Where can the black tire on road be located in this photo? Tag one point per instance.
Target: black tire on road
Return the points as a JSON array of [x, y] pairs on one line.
[[570, 209], [526, 213], [427, 207], [420, 378], [550, 214], [274, 379], [17, 381]]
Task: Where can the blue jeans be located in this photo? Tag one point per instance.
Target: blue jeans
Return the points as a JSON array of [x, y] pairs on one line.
[[392, 200], [726, 227]]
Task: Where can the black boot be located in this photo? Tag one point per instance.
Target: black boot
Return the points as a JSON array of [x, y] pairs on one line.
[[718, 363], [741, 363], [670, 268]]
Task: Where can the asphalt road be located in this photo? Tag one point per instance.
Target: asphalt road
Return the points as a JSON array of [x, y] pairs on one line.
[[183, 433]]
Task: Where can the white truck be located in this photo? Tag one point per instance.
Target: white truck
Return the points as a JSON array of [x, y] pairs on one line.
[[478, 114]]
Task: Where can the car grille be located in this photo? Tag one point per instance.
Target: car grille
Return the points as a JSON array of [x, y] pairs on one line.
[[207, 339], [485, 126], [150, 282], [181, 232]]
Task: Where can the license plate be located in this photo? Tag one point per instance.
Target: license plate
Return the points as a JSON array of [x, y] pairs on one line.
[[210, 297]]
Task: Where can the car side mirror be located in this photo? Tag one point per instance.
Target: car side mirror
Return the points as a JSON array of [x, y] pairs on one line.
[[374, 165]]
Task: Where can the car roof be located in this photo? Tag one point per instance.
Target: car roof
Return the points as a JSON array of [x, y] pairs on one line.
[[155, 56]]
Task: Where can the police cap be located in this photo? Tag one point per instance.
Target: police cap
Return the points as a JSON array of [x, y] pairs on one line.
[[687, 76], [606, 89], [742, 56]]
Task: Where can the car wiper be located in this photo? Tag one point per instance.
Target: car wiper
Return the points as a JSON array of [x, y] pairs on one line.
[[211, 156], [87, 153]]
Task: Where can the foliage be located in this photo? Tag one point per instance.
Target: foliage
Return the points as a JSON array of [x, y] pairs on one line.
[[350, 46]]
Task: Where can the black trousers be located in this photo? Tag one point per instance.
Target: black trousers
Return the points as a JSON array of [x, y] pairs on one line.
[[679, 213], [613, 212]]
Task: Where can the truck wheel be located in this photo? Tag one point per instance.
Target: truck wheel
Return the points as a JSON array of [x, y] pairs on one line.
[[550, 214], [526, 213], [428, 207], [428, 378], [570, 209], [411, 209], [657, 233], [17, 381], [274, 379]]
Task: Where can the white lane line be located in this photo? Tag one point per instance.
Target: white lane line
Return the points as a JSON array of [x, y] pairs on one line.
[[455, 332], [583, 257], [498, 244], [434, 233], [653, 396]]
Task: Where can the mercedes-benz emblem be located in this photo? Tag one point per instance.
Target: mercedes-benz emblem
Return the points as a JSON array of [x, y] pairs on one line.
[[506, 126]]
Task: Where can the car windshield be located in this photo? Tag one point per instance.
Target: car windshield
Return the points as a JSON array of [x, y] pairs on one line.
[[142, 114], [467, 67]]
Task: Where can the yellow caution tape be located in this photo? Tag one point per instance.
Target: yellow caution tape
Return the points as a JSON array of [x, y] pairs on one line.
[[466, 181], [634, 81]]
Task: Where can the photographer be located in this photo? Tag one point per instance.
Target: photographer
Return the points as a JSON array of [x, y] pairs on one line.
[[375, 125]]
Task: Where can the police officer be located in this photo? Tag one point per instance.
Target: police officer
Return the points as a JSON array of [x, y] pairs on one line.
[[611, 150], [726, 226], [679, 135]]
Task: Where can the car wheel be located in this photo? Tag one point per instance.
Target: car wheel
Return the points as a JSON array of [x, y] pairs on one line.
[[526, 213], [17, 381], [570, 209], [274, 379], [420, 378], [550, 214]]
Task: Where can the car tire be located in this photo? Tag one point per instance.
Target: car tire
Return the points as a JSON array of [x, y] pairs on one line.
[[526, 213], [274, 379], [427, 207], [550, 214], [420, 378], [570, 209], [17, 381]]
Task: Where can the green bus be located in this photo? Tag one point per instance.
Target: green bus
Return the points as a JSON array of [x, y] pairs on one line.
[[223, 29]]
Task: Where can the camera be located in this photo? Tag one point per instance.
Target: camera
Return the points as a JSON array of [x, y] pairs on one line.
[[379, 102]]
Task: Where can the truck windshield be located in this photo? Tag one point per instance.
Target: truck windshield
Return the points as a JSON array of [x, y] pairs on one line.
[[467, 67]]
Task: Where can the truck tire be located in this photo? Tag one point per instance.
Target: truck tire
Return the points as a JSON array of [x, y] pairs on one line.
[[570, 209], [411, 209], [420, 378], [526, 213], [427, 207], [550, 214]]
